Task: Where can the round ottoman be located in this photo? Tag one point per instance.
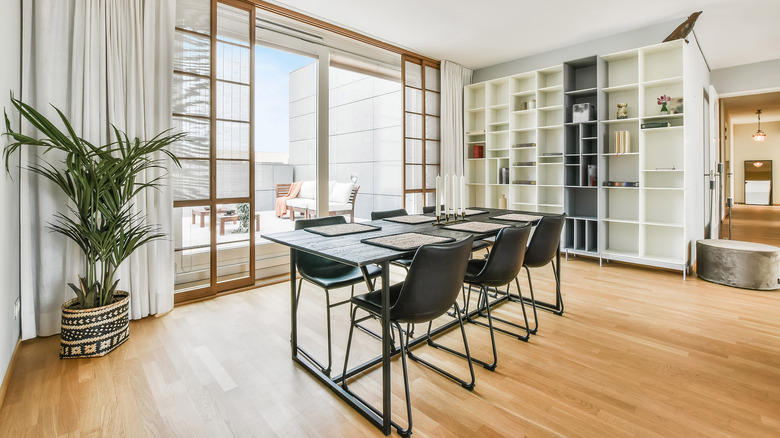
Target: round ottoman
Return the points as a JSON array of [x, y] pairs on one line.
[[740, 264]]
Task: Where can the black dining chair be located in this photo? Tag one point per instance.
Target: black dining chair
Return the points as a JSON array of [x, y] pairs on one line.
[[430, 289], [478, 243], [498, 270], [377, 215], [544, 245], [328, 275]]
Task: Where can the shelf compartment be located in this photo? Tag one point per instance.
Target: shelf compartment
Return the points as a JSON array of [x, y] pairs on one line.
[[622, 168], [581, 202], [475, 96], [663, 148], [664, 243], [497, 92], [622, 239], [665, 180], [664, 206], [662, 61], [653, 91], [550, 77], [622, 68], [623, 204]]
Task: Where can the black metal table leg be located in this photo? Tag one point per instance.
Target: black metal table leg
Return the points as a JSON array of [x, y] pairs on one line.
[[386, 350]]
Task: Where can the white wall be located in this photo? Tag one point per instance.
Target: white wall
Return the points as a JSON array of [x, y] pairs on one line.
[[641, 37], [748, 77], [10, 79], [747, 149]]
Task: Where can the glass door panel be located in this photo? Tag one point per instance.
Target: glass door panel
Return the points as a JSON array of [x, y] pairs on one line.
[[232, 154], [192, 248]]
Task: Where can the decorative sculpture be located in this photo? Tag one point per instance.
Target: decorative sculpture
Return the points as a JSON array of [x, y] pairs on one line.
[[684, 29]]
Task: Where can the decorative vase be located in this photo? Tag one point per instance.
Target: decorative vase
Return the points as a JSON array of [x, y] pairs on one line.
[[96, 331], [502, 202], [664, 111], [622, 111]]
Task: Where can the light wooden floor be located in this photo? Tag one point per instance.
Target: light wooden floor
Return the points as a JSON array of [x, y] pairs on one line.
[[754, 223], [638, 352]]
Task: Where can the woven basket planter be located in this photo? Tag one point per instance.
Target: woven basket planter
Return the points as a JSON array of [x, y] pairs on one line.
[[94, 332]]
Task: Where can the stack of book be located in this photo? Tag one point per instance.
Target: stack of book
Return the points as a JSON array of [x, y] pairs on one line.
[[652, 125], [622, 142], [523, 145], [524, 182], [478, 151], [525, 163], [621, 184]]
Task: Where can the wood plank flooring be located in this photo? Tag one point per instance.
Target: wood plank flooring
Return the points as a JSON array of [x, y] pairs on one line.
[[754, 223], [639, 352]]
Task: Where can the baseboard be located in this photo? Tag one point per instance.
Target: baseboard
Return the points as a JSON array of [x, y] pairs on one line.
[[9, 372]]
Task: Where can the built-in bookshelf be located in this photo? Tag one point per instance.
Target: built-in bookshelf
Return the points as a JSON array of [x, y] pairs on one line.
[[516, 123], [625, 186]]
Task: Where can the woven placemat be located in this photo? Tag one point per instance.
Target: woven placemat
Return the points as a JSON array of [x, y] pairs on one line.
[[406, 241], [470, 212], [476, 227], [411, 219], [342, 229], [517, 217]]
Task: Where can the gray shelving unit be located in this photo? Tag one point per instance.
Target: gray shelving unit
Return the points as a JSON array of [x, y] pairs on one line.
[[582, 83]]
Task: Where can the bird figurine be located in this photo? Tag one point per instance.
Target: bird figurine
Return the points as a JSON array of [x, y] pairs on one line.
[[684, 29]]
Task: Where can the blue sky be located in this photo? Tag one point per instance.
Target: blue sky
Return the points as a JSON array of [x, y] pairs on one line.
[[272, 106]]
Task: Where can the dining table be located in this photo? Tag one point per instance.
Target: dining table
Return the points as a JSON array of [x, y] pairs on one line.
[[351, 249]]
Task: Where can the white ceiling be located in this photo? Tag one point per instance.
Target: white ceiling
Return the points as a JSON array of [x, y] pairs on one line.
[[479, 34]]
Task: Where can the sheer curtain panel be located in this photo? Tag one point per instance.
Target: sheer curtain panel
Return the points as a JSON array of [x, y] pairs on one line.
[[101, 62], [453, 78]]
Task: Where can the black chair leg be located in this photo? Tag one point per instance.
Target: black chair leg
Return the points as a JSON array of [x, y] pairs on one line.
[[404, 349], [556, 308], [352, 325], [467, 356], [324, 369], [483, 295]]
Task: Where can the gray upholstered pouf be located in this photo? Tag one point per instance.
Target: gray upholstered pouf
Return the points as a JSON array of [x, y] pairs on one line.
[[740, 264]]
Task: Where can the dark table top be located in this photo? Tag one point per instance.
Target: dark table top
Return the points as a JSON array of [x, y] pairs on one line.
[[350, 250]]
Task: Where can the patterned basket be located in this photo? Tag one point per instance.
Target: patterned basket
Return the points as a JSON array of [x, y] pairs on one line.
[[97, 331]]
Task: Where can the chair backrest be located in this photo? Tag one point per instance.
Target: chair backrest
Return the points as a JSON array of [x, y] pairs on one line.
[[353, 196], [376, 215], [430, 209], [433, 282], [282, 189], [507, 257], [316, 266], [545, 241]]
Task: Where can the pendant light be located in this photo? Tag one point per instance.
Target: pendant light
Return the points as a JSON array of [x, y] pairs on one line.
[[759, 135]]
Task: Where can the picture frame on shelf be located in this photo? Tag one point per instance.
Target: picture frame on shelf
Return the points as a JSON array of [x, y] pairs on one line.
[[676, 105]]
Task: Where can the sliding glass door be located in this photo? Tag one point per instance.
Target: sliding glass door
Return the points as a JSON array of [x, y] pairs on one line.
[[213, 102]]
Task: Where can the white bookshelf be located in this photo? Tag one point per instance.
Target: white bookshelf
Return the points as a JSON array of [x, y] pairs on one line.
[[655, 223], [522, 109]]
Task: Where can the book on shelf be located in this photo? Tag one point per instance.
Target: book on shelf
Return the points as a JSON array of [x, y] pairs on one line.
[[525, 163], [621, 184], [524, 181], [523, 145], [552, 154], [622, 142], [651, 125], [665, 168], [475, 132]]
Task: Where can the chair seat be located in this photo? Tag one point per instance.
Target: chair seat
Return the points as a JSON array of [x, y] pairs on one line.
[[372, 301], [345, 278], [474, 267]]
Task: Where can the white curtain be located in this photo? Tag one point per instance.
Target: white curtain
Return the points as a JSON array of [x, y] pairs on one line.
[[453, 78], [101, 62]]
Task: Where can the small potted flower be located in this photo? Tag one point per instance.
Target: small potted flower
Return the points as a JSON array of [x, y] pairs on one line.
[[663, 100]]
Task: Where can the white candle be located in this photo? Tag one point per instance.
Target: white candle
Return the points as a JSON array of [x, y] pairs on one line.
[[446, 194], [455, 197], [462, 194], [438, 196]]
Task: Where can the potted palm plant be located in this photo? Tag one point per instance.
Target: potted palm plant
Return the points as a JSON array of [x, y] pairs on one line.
[[100, 183]]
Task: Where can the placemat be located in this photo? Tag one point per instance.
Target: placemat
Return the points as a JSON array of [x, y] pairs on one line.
[[470, 212], [517, 217], [406, 241], [341, 229], [476, 227], [411, 219]]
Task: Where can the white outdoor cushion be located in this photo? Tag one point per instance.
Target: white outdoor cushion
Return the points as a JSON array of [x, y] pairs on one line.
[[330, 185], [297, 202], [308, 190], [340, 193], [337, 206]]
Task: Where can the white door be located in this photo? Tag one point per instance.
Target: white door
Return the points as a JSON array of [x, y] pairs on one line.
[[714, 187]]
